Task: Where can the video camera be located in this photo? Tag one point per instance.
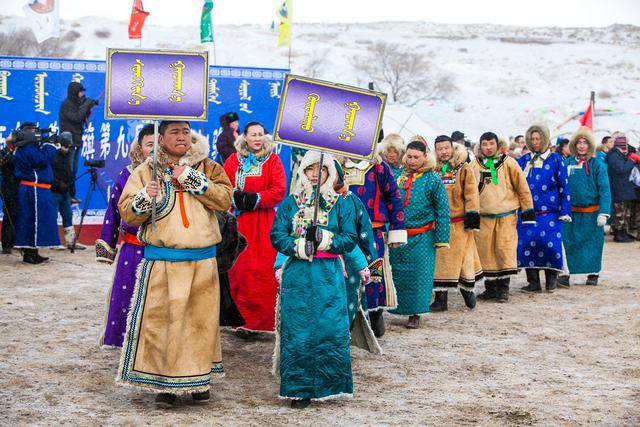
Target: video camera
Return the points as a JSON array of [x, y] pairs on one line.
[[98, 163], [41, 136]]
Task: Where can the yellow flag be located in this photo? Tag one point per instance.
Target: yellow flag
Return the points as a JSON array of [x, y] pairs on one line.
[[284, 28]]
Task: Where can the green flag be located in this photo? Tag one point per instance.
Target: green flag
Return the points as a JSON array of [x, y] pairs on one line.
[[206, 23]]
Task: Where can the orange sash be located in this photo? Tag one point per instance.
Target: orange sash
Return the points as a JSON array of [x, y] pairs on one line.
[[421, 230], [36, 184], [585, 209]]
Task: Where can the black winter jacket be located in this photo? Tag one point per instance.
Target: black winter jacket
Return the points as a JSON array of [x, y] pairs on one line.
[[74, 112], [61, 173]]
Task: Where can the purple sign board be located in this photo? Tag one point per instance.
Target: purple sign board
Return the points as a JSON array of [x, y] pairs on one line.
[[153, 84], [329, 117]]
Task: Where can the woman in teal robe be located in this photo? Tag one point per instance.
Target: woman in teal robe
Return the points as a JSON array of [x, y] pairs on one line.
[[583, 237], [426, 211], [312, 343]]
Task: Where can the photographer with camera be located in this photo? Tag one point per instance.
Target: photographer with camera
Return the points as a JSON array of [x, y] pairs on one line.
[[60, 191], [36, 222], [9, 190], [74, 113]]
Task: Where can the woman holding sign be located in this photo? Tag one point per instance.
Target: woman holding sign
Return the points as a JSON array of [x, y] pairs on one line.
[[312, 352], [259, 183]]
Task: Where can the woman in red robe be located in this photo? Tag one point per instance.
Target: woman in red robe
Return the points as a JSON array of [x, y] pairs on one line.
[[259, 182]]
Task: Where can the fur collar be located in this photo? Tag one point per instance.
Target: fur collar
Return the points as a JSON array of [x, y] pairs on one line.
[[428, 165], [198, 151], [243, 150], [503, 147], [460, 155]]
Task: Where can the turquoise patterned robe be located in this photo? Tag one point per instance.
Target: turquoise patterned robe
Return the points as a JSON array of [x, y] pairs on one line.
[[583, 240], [413, 264], [314, 322]]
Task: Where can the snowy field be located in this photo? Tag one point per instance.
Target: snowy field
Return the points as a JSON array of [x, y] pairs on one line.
[[567, 358], [505, 77]]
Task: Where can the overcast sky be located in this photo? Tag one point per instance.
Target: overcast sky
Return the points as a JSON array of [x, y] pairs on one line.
[[516, 12]]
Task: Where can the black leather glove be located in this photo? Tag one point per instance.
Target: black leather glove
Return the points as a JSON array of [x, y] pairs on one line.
[[472, 221], [313, 237], [245, 201], [237, 199]]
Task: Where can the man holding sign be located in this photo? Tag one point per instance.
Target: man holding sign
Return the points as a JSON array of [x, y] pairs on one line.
[[172, 343]]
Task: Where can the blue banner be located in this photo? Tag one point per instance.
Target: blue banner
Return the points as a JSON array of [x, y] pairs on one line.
[[32, 90]]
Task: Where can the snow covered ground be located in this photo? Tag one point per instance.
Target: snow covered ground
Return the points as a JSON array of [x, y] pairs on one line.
[[506, 77]]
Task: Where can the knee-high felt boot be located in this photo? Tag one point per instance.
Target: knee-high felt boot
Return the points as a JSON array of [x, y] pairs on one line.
[[489, 290], [551, 280], [502, 292], [533, 281], [439, 301]]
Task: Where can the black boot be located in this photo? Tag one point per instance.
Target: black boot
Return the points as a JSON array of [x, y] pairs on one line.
[[165, 400], [377, 322], [592, 279], [502, 290], [201, 397], [29, 256], [563, 281], [533, 279], [621, 236], [551, 280], [439, 302], [39, 258], [489, 290], [469, 298], [300, 403]]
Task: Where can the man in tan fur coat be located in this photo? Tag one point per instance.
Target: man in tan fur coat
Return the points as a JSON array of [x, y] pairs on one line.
[[172, 342]]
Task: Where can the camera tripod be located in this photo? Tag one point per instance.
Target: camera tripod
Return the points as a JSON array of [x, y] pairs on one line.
[[93, 184]]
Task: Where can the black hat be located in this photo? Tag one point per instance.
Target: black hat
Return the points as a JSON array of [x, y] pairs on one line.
[[27, 125], [457, 135]]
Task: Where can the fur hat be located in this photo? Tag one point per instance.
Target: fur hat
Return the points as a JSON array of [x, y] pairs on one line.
[[583, 132], [543, 130], [310, 158], [393, 140]]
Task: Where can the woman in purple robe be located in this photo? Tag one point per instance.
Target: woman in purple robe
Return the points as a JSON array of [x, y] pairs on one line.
[[131, 250]]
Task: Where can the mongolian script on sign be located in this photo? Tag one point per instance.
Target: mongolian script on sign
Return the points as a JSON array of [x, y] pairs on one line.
[[309, 108], [350, 119], [137, 83], [4, 85], [40, 93], [177, 93]]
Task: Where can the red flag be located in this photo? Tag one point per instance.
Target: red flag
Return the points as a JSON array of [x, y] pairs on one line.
[[138, 15], [587, 117]]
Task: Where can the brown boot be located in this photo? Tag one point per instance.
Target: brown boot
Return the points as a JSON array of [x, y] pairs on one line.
[[414, 322]]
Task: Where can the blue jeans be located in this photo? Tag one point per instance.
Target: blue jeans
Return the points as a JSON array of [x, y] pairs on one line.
[[63, 204]]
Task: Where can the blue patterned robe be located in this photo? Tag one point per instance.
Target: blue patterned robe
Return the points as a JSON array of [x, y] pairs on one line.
[[540, 244], [413, 264], [583, 239], [378, 180]]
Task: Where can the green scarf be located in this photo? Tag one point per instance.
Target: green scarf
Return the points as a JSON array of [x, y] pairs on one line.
[[490, 164], [445, 168]]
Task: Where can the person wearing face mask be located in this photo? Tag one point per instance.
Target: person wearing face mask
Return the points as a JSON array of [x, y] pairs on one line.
[[426, 209], [540, 244], [583, 237], [130, 253], [503, 192], [459, 265], [257, 176], [312, 354], [172, 341]]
